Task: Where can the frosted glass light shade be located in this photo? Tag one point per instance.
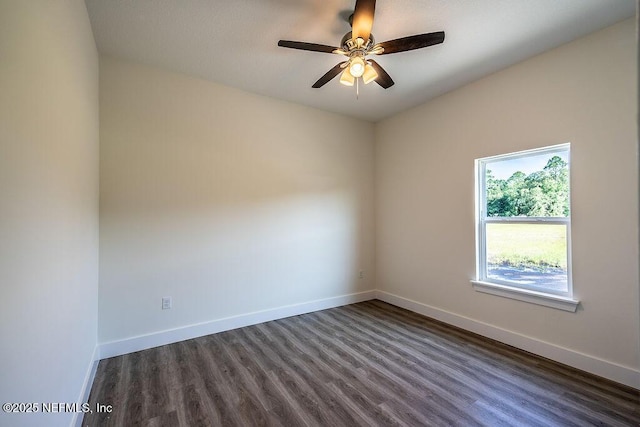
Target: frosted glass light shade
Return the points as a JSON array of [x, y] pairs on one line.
[[369, 75], [356, 68], [346, 78]]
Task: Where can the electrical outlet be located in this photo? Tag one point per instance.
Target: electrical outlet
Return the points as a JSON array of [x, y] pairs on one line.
[[361, 275], [166, 303]]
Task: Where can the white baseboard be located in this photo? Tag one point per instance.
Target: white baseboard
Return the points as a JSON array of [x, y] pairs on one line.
[[143, 342], [621, 374], [86, 386]]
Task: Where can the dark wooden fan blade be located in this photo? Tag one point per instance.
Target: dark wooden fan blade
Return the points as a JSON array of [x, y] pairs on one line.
[[363, 19], [328, 76], [412, 42], [383, 78], [313, 47]]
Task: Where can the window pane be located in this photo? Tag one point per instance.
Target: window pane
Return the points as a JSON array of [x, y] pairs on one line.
[[531, 186], [531, 255]]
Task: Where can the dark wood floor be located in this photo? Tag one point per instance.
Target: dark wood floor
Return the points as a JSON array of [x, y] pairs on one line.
[[364, 364]]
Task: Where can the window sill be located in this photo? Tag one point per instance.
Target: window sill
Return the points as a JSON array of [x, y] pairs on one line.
[[533, 297]]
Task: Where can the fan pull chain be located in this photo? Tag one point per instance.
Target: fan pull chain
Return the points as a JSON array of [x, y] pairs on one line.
[[357, 88]]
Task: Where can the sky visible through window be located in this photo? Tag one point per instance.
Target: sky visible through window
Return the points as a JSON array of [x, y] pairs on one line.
[[503, 169]]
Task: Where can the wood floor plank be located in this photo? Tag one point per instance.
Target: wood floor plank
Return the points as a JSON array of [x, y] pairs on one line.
[[442, 401], [374, 386], [304, 374], [270, 394], [289, 375], [364, 364]]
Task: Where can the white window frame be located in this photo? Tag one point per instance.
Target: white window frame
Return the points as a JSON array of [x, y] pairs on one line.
[[556, 299]]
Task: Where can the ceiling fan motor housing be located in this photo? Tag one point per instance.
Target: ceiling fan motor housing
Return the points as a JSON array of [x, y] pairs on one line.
[[348, 44]]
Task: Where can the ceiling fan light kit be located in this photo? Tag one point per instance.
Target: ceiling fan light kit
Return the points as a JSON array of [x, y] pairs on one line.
[[358, 44]]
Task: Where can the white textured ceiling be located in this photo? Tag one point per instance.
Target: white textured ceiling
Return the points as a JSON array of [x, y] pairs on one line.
[[234, 42]]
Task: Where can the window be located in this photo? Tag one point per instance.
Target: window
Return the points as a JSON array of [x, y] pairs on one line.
[[524, 226]]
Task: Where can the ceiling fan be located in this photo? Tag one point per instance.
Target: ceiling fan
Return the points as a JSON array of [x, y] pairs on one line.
[[357, 44]]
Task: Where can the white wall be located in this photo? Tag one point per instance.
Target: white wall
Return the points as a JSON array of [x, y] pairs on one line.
[[583, 93], [48, 204], [228, 202]]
